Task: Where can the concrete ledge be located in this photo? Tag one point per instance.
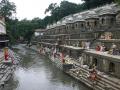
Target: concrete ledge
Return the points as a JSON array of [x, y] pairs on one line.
[[99, 54]]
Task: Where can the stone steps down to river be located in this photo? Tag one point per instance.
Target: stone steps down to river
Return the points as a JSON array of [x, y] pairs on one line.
[[102, 83], [7, 69]]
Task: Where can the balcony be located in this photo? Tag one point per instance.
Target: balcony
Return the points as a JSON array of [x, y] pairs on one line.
[[4, 38], [104, 55]]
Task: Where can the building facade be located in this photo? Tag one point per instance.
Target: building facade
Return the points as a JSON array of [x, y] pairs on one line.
[[93, 35], [3, 35]]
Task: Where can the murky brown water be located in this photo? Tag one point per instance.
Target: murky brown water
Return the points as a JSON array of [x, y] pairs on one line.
[[38, 73]]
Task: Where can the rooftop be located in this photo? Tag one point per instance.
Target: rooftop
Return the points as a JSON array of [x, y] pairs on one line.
[[92, 13], [40, 30]]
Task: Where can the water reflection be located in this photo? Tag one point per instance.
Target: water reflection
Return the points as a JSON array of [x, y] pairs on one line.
[[38, 73]]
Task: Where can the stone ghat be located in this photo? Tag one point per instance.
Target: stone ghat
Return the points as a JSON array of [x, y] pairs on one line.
[[7, 68], [82, 73], [103, 81]]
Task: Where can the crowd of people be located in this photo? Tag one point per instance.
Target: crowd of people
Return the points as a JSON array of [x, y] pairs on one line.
[[114, 50]]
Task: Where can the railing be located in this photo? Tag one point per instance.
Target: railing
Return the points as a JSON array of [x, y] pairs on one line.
[[3, 37]]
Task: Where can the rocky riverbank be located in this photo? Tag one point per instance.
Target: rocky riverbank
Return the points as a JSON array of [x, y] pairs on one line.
[[7, 68]]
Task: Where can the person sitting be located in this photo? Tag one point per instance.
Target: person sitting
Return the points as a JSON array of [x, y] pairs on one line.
[[114, 47], [98, 48], [114, 50], [102, 48]]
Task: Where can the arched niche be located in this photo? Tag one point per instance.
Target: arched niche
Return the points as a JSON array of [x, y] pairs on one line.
[[112, 67]]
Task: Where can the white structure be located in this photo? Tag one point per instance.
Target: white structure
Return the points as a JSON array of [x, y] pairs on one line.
[[39, 32], [2, 26]]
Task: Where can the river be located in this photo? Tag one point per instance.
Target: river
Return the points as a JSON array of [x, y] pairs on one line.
[[37, 72]]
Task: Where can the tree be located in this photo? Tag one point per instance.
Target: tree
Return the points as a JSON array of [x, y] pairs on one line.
[[95, 3], [118, 1], [7, 8], [59, 11], [51, 7]]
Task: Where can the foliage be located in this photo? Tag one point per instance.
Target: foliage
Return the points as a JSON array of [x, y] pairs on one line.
[[59, 11], [7, 8], [118, 1]]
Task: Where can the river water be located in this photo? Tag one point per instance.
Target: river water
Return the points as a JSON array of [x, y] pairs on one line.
[[36, 72]]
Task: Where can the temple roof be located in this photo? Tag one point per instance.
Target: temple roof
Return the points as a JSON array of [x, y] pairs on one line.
[[92, 13], [107, 10], [79, 17]]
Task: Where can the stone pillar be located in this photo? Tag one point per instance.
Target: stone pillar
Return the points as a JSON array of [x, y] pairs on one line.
[[91, 60], [117, 70], [105, 65]]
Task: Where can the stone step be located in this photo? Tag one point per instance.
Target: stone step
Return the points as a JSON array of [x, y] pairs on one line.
[[81, 79], [98, 88], [1, 75], [5, 70], [86, 80], [105, 85], [3, 66], [5, 77], [109, 82], [101, 81]]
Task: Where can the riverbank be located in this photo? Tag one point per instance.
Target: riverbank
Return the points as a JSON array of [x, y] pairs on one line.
[[7, 68], [58, 65], [37, 72], [92, 78]]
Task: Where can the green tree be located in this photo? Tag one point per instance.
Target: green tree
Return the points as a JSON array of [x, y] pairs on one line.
[[118, 1], [51, 7], [95, 3], [7, 8], [59, 11]]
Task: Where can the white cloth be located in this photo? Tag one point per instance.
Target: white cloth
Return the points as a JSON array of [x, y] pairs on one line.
[[87, 45]]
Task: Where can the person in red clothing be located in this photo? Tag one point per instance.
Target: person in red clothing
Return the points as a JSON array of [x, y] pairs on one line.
[[93, 75], [6, 53], [98, 48], [62, 57]]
